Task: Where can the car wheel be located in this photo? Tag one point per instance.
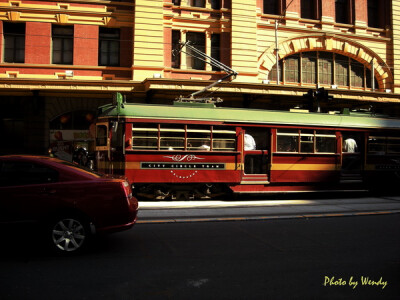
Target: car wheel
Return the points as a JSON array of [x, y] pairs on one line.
[[69, 234]]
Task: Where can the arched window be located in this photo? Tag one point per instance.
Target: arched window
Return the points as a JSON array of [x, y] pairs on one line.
[[309, 67], [292, 68], [323, 68], [341, 70], [357, 75]]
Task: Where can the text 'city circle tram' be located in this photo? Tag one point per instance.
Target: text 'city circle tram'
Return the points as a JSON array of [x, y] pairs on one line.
[[197, 150]]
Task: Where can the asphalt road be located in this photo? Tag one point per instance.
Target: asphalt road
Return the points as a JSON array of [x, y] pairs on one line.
[[300, 258]]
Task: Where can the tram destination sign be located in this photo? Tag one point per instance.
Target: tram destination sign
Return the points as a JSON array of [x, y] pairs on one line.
[[182, 166]]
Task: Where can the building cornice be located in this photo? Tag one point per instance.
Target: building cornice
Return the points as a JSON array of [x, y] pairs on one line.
[[105, 88]]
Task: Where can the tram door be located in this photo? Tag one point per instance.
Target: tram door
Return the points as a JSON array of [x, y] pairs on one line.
[[117, 146], [256, 144], [109, 147], [103, 148], [353, 144]]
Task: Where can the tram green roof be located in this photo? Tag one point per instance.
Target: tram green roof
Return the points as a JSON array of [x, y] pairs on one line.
[[248, 116]]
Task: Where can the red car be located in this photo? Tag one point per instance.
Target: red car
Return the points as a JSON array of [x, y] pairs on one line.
[[73, 203]]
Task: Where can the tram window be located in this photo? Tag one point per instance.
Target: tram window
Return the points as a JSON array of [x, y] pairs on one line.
[[260, 136], [172, 137], [224, 139], [325, 142], [198, 137], [377, 144], [287, 140], [145, 136], [393, 145], [311, 141], [382, 145], [101, 135], [307, 141]]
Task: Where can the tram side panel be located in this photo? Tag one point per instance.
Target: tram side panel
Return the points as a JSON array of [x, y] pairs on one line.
[[305, 168], [175, 167], [175, 157], [305, 155]]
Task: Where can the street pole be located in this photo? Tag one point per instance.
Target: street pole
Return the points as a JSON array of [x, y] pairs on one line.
[[372, 75], [276, 42], [277, 51]]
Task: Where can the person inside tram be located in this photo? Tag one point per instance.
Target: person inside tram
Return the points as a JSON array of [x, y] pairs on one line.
[[205, 146], [290, 146], [249, 142], [351, 162], [350, 145]]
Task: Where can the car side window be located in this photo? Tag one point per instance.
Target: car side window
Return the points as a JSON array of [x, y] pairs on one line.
[[14, 173]]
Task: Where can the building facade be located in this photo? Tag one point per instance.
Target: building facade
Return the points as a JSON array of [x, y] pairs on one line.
[[60, 60]]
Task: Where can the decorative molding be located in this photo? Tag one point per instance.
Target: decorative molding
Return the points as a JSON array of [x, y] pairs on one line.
[[109, 21], [15, 3], [62, 18], [13, 15]]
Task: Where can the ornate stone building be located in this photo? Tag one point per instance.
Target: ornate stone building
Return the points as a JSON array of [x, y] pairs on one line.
[[60, 60]]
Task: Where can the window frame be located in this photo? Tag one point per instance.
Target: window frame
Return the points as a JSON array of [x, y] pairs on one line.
[[309, 68], [374, 13], [14, 42], [310, 9], [272, 7], [325, 68], [346, 6], [216, 4], [385, 142], [292, 67], [194, 137], [303, 137], [341, 69], [109, 38], [198, 40], [66, 41], [196, 3], [216, 49], [176, 54]]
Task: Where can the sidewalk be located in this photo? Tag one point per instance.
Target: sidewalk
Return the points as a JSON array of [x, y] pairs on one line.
[[203, 211]]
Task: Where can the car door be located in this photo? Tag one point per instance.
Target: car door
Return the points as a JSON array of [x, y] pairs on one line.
[[27, 191]]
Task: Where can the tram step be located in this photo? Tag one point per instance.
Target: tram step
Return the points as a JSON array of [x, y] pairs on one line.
[[254, 182], [249, 179]]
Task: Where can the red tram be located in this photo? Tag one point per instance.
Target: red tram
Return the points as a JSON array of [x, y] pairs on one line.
[[197, 150]]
